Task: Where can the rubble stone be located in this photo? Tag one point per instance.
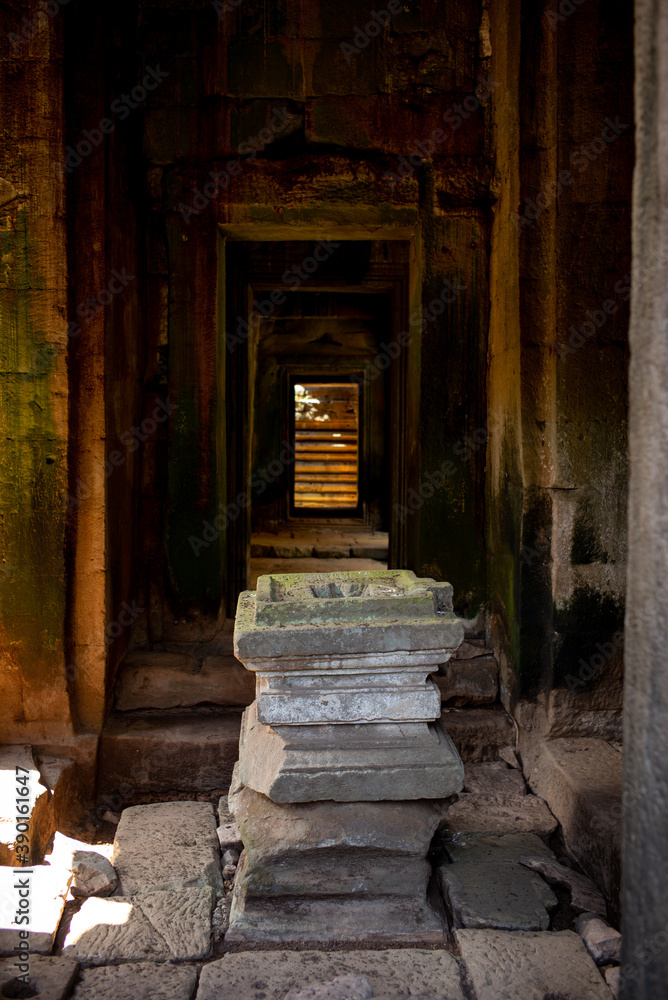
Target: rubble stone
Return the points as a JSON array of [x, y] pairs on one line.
[[93, 875], [585, 897], [229, 837], [603, 942]]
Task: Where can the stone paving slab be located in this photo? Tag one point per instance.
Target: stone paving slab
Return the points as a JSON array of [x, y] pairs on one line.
[[394, 972], [159, 926], [501, 813], [167, 845], [51, 977], [137, 981], [496, 895], [47, 888], [530, 966]]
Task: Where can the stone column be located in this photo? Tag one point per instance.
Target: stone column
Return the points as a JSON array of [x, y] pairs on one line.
[[645, 855], [345, 771]]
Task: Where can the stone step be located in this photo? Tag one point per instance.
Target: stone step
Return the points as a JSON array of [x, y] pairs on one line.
[[479, 733], [177, 680], [151, 755], [581, 781]]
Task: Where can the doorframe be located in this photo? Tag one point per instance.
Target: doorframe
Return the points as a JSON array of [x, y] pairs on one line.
[[234, 424]]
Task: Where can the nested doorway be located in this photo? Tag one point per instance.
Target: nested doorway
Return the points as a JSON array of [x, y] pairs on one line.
[[317, 415]]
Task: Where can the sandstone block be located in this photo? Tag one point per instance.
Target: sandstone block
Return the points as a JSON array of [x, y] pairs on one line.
[[173, 680], [51, 978], [496, 895], [471, 648], [341, 871], [501, 814], [167, 845], [478, 733], [348, 987], [137, 981], [93, 875], [585, 897], [391, 972], [603, 942], [229, 837], [159, 926], [495, 778], [530, 966], [469, 682]]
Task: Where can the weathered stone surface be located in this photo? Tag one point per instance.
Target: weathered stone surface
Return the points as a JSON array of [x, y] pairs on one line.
[[508, 755], [603, 942], [92, 875], [391, 972], [501, 814], [51, 977], [580, 779], [155, 926], [348, 987], [172, 680], [478, 733], [469, 682], [229, 837], [167, 752], [47, 890], [585, 897], [530, 966], [506, 848], [365, 763], [495, 778], [612, 977], [470, 649], [333, 870], [500, 896], [137, 981], [167, 845]]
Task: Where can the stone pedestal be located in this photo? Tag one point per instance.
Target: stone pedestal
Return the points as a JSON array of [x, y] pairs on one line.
[[345, 770]]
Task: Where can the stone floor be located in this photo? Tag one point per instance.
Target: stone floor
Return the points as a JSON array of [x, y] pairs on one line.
[[523, 923], [310, 549]]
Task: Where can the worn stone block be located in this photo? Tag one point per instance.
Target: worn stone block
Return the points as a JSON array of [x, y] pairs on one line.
[[502, 813], [478, 733], [530, 965], [51, 978], [167, 845], [154, 753], [159, 926], [342, 988], [585, 897], [581, 781], [469, 682], [496, 895], [137, 981], [347, 763], [323, 871], [173, 680], [229, 837], [494, 778], [392, 972]]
